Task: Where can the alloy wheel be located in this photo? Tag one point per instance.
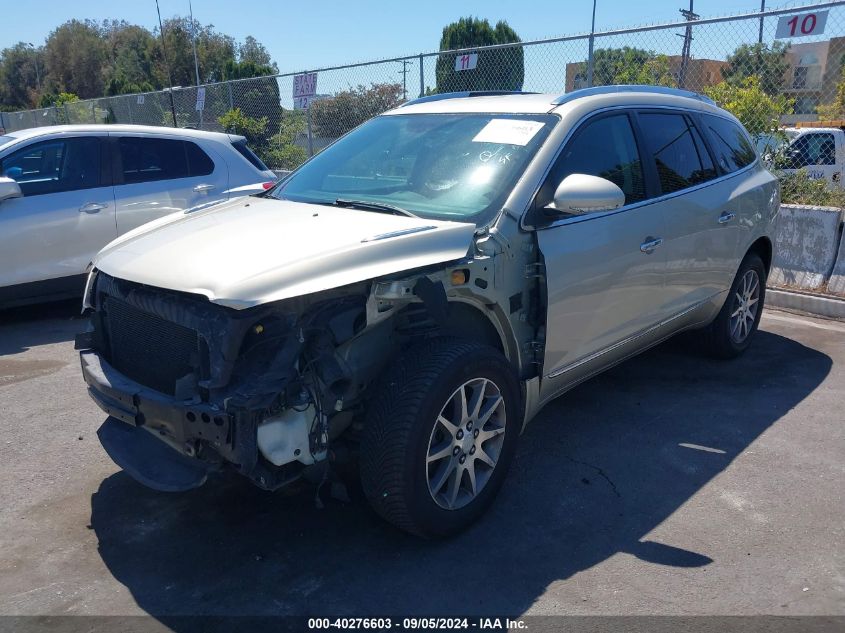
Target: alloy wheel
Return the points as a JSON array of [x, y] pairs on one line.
[[746, 303], [465, 443]]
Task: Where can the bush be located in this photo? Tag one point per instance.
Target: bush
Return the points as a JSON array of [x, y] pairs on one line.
[[281, 151], [236, 122], [758, 111], [798, 188]]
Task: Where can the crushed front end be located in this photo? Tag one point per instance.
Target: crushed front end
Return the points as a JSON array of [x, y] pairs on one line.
[[191, 386]]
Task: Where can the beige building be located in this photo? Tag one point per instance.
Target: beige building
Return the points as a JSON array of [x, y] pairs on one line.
[[814, 71]]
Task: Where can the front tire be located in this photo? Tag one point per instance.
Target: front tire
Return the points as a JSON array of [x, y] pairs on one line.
[[440, 436], [731, 332]]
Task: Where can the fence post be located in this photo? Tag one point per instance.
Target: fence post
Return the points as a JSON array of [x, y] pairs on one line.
[[310, 137], [762, 9], [422, 77], [231, 103]]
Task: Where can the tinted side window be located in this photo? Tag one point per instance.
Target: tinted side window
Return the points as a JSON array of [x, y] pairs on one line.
[[199, 163], [677, 151], [605, 148], [54, 166], [731, 145], [812, 149], [246, 152], [148, 159]]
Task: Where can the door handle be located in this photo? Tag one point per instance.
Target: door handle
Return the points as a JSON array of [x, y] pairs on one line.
[[92, 207], [202, 188], [726, 217], [651, 243]]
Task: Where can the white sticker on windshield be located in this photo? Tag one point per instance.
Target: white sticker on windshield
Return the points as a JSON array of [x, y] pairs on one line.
[[508, 131]]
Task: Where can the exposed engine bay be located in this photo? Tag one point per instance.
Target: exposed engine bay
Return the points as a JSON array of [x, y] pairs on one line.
[[268, 390]]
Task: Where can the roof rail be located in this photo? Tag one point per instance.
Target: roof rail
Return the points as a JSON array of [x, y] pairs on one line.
[[603, 90], [462, 95]]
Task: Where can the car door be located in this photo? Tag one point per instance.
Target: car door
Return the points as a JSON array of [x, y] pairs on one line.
[[66, 213], [604, 271], [156, 175], [701, 210]]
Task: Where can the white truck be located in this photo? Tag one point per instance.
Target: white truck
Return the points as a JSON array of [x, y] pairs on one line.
[[818, 147]]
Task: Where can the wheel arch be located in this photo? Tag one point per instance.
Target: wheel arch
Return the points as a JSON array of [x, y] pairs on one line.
[[471, 320], [763, 248]]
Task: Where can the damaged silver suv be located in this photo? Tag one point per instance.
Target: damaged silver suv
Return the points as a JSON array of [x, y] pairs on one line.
[[410, 297]]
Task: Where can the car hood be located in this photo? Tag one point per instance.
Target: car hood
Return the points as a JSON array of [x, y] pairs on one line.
[[255, 250]]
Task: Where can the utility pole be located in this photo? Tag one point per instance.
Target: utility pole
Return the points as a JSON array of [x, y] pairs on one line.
[[590, 61], [166, 65], [37, 72], [685, 53], [196, 63], [194, 42], [404, 71]]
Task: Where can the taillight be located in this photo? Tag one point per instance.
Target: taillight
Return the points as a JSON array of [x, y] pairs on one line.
[[267, 185]]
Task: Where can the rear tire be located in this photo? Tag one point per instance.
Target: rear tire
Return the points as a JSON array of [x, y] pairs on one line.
[[440, 435], [732, 331]]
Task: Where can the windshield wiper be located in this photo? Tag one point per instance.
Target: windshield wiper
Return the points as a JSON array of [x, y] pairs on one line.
[[379, 207]]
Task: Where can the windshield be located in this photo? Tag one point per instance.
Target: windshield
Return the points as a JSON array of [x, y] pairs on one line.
[[441, 166]]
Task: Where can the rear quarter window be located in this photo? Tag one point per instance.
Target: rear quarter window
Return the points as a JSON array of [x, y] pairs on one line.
[[731, 145], [244, 150]]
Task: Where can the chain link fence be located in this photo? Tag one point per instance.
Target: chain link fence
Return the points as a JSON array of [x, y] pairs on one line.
[[770, 68]]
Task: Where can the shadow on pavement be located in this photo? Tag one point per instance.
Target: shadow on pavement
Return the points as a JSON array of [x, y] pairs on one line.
[[597, 471], [39, 324]]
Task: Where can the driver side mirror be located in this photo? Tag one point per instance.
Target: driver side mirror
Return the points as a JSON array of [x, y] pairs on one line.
[[578, 194], [9, 189]]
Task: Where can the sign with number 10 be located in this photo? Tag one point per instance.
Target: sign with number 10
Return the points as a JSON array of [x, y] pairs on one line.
[[801, 25]]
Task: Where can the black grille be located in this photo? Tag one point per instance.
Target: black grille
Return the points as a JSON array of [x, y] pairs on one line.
[[148, 349]]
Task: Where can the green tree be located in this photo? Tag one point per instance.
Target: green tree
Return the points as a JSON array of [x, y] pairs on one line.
[[254, 52], [836, 108], [628, 66], [245, 69], [133, 51], [74, 56], [19, 75], [214, 49], [334, 116], [497, 69], [758, 111], [768, 63]]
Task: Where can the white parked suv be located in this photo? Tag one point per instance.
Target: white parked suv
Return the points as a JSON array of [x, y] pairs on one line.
[[416, 292], [67, 191]]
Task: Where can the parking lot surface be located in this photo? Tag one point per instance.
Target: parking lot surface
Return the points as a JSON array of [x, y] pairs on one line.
[[672, 484]]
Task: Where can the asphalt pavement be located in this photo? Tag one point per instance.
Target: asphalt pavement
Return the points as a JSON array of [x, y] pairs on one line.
[[671, 485]]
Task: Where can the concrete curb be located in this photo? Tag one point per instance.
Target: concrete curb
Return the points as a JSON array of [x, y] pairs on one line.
[[806, 303]]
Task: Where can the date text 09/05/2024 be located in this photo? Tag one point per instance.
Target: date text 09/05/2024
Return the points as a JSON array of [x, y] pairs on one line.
[[500, 624]]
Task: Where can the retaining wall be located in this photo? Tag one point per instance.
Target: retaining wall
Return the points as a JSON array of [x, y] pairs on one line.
[[809, 254]]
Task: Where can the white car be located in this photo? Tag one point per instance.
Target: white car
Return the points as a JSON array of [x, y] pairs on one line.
[[67, 191]]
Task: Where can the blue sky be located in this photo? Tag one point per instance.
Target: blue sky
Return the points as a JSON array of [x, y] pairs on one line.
[[305, 34]]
